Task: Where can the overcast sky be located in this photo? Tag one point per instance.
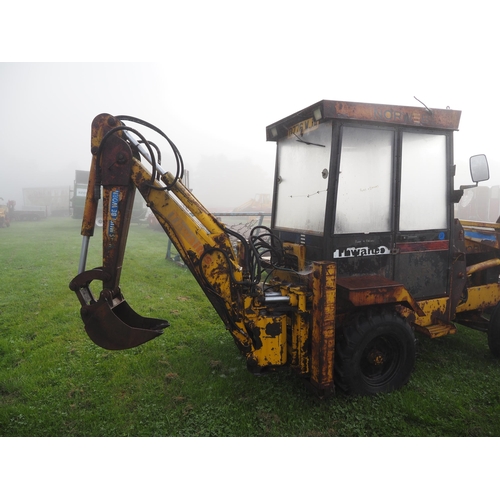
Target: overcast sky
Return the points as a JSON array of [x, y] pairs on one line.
[[214, 74]]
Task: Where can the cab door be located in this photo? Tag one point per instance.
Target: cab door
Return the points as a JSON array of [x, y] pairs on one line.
[[392, 214], [363, 233], [422, 246]]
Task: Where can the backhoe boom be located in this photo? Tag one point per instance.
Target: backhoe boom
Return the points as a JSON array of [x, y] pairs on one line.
[[226, 266]]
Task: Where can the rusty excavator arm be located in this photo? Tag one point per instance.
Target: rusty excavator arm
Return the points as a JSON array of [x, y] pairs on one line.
[[227, 267]]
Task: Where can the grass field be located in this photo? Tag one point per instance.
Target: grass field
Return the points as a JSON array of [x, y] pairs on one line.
[[192, 381]]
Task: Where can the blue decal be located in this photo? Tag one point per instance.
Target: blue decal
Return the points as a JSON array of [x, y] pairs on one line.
[[441, 235], [115, 198], [480, 236]]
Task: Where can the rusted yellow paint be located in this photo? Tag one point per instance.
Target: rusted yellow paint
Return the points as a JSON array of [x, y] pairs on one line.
[[429, 323], [323, 326], [299, 349], [299, 251], [91, 202], [480, 297], [482, 266], [370, 290], [271, 333], [431, 307]]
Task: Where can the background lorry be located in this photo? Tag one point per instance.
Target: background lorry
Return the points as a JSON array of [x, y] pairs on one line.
[[33, 213], [363, 248]]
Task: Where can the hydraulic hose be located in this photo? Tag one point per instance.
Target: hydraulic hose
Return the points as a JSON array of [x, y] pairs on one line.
[[178, 158]]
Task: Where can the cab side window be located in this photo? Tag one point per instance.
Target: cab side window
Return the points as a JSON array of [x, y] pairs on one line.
[[423, 182]]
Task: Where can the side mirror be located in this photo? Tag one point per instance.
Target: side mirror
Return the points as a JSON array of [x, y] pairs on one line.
[[479, 169]]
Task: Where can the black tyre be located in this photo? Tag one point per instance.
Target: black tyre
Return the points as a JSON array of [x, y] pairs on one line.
[[374, 353], [494, 332]]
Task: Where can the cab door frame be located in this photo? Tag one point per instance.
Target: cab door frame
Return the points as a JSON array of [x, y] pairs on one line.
[[419, 258]]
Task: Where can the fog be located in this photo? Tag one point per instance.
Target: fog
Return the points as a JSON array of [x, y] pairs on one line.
[[213, 77]]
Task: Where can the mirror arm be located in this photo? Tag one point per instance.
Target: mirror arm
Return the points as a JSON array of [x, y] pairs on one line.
[[469, 186], [456, 195]]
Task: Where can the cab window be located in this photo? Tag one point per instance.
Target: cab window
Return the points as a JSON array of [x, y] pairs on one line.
[[303, 171], [423, 182], [365, 181]]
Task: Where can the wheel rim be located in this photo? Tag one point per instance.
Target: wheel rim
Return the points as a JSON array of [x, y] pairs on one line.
[[380, 360]]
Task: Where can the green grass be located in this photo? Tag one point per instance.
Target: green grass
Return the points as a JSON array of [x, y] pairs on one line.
[[192, 381]]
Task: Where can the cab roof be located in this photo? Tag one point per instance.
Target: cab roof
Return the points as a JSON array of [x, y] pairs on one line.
[[412, 116]]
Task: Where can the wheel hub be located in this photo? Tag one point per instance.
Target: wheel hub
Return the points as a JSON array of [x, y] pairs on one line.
[[376, 357]]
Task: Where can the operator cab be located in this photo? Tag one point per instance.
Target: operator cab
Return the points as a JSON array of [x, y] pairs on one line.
[[369, 186]]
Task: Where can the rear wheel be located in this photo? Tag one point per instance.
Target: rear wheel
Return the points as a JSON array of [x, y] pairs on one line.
[[374, 353], [494, 332]]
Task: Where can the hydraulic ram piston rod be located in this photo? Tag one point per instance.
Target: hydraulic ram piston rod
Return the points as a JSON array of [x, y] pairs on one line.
[[83, 254]]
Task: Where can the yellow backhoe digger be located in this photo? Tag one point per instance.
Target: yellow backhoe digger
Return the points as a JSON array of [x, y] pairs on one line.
[[363, 248]]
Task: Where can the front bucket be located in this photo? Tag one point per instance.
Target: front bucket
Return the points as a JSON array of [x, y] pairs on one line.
[[119, 327]]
